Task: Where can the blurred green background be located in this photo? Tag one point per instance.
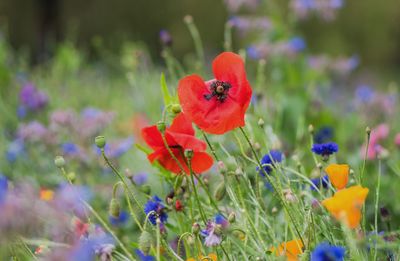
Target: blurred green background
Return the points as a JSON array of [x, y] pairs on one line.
[[365, 27]]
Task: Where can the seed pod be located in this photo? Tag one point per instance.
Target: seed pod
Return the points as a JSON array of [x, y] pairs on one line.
[[232, 217], [195, 228], [59, 161]]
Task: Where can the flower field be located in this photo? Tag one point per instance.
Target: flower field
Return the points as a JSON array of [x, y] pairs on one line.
[[260, 150]]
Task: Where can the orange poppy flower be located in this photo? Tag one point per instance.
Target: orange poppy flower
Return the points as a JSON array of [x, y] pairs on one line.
[[338, 175], [290, 249], [179, 136], [218, 105], [211, 255], [346, 205], [46, 194]]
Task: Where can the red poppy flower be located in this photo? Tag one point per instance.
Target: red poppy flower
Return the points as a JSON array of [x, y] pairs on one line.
[[179, 137], [218, 105]]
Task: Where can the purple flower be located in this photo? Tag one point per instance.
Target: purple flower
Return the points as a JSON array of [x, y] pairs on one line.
[[122, 219], [213, 232], [31, 98], [70, 148], [364, 93], [165, 37], [327, 252], [70, 197], [297, 44], [140, 178], [155, 205], [143, 257], [33, 131]]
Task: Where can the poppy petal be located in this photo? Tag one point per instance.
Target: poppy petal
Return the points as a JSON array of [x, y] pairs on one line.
[[201, 162], [164, 158], [188, 142], [181, 124], [152, 137]]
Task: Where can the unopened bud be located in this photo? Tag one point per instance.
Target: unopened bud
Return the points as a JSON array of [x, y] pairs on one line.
[[221, 167], [71, 176], [261, 123], [114, 208], [176, 108], [220, 191], [196, 228], [145, 242], [257, 146], [161, 126], [311, 129], [188, 19], [59, 161], [189, 154], [100, 142], [232, 217], [368, 130]]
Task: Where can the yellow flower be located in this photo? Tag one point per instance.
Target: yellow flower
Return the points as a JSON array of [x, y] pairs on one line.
[[46, 194], [204, 258], [346, 205], [290, 249], [338, 175]]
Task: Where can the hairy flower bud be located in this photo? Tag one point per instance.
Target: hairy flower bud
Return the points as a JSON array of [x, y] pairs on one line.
[[176, 108], [114, 208], [261, 123], [145, 241], [161, 126], [232, 217], [220, 191], [100, 142], [195, 228], [59, 161]]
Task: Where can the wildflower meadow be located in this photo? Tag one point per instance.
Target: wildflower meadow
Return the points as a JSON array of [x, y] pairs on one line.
[[258, 150]]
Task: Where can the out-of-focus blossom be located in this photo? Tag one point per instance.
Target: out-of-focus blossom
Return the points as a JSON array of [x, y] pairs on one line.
[[70, 148], [397, 139], [46, 194], [297, 44], [143, 257], [70, 197], [325, 251], [211, 256], [377, 135], [15, 149], [120, 220], [31, 98], [326, 9], [140, 178], [318, 183], [245, 24], [117, 148], [364, 94], [234, 5], [165, 37], [33, 131], [214, 230], [323, 135], [290, 249], [340, 65], [3, 188]]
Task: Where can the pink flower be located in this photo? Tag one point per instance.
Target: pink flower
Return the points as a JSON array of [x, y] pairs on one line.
[[377, 134]]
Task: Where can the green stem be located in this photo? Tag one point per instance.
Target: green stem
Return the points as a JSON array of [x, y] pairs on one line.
[[378, 185], [203, 216]]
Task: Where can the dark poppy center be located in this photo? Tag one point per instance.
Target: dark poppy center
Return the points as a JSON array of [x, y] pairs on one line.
[[218, 89]]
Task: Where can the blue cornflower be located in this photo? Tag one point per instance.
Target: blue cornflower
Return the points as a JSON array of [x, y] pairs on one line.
[[15, 149], [140, 178], [324, 134], [143, 257], [297, 44], [325, 149], [70, 148], [155, 204], [327, 252], [269, 160], [364, 93], [3, 188], [317, 182], [253, 52], [122, 218]]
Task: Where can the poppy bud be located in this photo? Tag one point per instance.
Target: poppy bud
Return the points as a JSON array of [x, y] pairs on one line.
[[189, 154], [146, 189], [311, 129], [220, 191], [188, 19], [178, 205], [261, 123], [232, 217], [59, 161], [71, 176], [114, 208], [257, 146], [100, 142], [196, 228], [368, 130], [161, 126], [145, 241], [176, 108]]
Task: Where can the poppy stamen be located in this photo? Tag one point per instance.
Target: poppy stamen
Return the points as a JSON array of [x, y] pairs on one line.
[[219, 89]]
